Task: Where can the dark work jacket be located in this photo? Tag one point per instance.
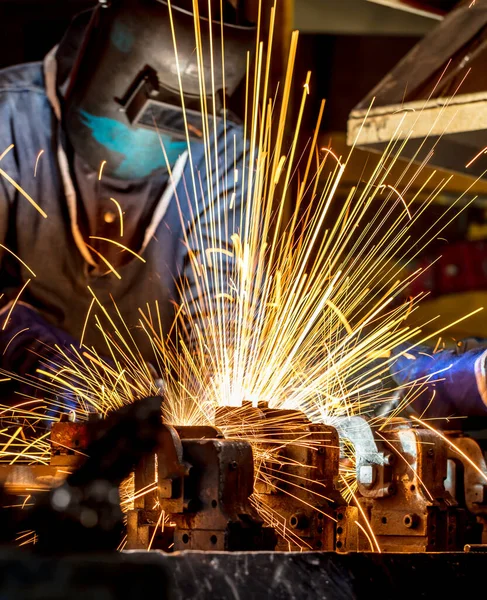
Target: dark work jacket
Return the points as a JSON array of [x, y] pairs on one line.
[[58, 297]]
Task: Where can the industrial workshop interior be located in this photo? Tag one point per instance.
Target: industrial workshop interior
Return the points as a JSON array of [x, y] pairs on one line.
[[243, 299]]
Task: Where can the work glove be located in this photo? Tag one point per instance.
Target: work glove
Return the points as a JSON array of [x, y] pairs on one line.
[[28, 343], [450, 383]]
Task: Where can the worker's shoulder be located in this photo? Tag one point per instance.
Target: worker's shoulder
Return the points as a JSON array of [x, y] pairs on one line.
[[27, 77]]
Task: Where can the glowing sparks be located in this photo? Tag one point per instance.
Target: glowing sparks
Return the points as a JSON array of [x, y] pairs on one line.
[[292, 313], [85, 324], [12, 339], [6, 151], [160, 522], [100, 172], [364, 516], [23, 192], [106, 261], [478, 155], [14, 303], [94, 237], [120, 214], [19, 259], [331, 153], [37, 162], [401, 198]]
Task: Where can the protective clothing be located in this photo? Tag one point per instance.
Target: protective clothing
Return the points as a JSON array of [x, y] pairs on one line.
[[57, 248], [124, 95]]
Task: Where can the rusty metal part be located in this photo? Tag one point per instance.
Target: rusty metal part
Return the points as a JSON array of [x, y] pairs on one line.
[[298, 472], [401, 489], [202, 499], [414, 491], [468, 484], [68, 440]]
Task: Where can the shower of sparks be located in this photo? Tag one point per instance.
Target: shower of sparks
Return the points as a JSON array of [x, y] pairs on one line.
[[302, 313]]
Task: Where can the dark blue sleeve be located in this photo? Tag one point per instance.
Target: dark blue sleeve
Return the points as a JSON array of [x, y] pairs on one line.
[[28, 341], [449, 383]]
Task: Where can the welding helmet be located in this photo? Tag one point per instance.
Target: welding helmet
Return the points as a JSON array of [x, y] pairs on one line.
[[126, 91]]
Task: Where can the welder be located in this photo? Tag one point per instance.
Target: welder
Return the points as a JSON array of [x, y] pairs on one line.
[[95, 136]]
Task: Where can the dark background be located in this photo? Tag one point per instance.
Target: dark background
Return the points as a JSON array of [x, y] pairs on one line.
[[344, 67]]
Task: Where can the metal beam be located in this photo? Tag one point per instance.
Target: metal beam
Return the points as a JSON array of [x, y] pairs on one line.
[[357, 17]]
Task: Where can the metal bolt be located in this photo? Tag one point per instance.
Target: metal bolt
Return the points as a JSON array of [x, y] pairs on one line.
[[234, 465]]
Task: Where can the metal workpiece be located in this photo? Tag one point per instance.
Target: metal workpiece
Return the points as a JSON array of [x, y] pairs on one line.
[[74, 503], [401, 470], [207, 488], [216, 492], [298, 483], [371, 460], [68, 440], [467, 483], [203, 491]]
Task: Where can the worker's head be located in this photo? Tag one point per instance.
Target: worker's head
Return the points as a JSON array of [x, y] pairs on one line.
[[128, 85]]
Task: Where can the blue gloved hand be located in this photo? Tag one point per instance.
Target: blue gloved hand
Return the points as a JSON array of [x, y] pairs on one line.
[[454, 381], [27, 343]]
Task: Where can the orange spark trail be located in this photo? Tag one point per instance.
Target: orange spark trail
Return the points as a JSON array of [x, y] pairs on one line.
[[452, 445], [6, 151], [23, 192], [120, 213], [362, 513], [483, 151], [37, 162], [108, 263], [103, 163], [330, 151], [94, 237], [14, 303], [18, 258], [12, 339]]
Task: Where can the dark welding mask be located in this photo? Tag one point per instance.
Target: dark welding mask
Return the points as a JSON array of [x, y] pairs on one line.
[[128, 86]]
